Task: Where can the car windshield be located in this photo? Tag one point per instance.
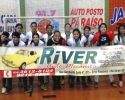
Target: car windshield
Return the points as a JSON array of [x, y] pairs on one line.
[[22, 52]]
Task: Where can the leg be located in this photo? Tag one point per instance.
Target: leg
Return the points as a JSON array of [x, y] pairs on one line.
[[30, 84], [47, 79], [20, 84], [58, 82], [96, 79], [120, 80], [25, 84], [112, 81], [54, 82], [78, 80], [83, 81], [72, 78], [4, 84], [9, 87], [89, 79]]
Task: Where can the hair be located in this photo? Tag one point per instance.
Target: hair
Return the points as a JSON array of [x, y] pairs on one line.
[[56, 32], [78, 32], [48, 26], [119, 33], [86, 27], [6, 34], [67, 24], [101, 25], [33, 36], [33, 23], [19, 24], [16, 34]]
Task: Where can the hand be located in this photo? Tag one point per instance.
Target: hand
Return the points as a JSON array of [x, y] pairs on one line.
[[53, 45], [7, 46]]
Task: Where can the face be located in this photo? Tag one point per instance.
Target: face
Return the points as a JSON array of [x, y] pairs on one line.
[[103, 29], [19, 29], [122, 31], [15, 39], [34, 27], [49, 29], [3, 38], [68, 28], [87, 31], [57, 36], [35, 39], [76, 35]]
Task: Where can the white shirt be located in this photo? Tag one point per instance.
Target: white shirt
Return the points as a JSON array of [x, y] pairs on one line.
[[41, 43], [84, 39], [22, 37], [116, 41], [63, 35], [45, 37], [71, 42], [29, 35], [21, 44]]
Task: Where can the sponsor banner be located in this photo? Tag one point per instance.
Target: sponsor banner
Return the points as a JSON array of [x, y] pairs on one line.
[[116, 14], [92, 12], [60, 60]]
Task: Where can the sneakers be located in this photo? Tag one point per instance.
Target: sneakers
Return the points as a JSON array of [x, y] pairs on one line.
[[20, 84], [3, 90], [7, 91], [43, 87], [25, 90], [120, 83], [84, 85], [96, 84], [62, 82], [30, 89], [113, 84]]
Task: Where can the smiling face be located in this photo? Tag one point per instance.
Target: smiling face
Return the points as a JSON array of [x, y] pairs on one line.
[[33, 27], [49, 29], [57, 36], [87, 32], [35, 38], [68, 28], [3, 38], [122, 31], [102, 29], [16, 39], [76, 35], [19, 29]]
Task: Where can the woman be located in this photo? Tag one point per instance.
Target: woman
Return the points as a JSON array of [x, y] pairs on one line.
[[120, 40], [3, 42], [103, 38], [35, 42], [56, 40], [86, 42], [74, 41]]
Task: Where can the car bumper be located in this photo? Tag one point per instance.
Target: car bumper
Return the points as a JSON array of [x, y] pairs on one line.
[[9, 65]]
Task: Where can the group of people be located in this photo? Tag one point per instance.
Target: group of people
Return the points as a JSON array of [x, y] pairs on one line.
[[68, 38]]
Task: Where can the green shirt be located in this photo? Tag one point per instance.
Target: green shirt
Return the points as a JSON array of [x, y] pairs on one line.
[[67, 37], [49, 36], [78, 43], [123, 39]]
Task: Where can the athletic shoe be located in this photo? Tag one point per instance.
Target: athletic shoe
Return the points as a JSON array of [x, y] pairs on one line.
[[3, 89], [62, 82], [120, 83], [43, 87], [96, 84], [113, 84], [7, 91], [25, 90], [30, 89], [84, 85]]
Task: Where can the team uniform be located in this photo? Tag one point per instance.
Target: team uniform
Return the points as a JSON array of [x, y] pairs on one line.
[[119, 41], [56, 79], [12, 44], [29, 35], [3, 44], [41, 78], [22, 37], [86, 40], [72, 42], [46, 37], [66, 37], [103, 40]]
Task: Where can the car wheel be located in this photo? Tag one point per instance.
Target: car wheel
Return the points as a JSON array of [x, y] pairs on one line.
[[37, 60], [23, 66]]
